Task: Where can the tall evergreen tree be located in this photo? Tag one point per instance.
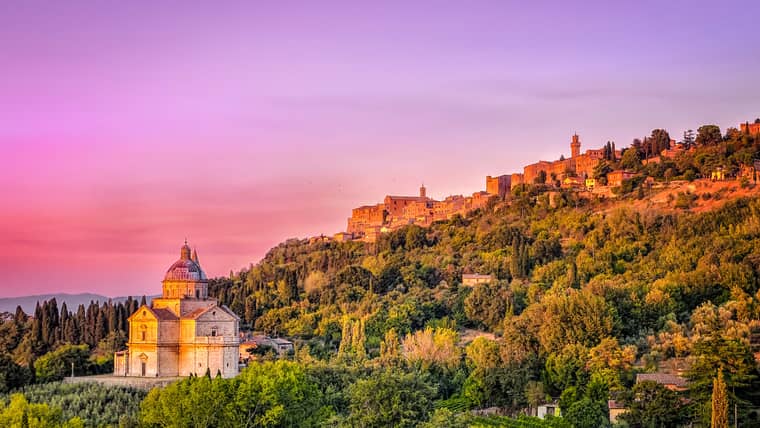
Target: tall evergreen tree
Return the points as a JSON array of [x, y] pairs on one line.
[[20, 316], [719, 416]]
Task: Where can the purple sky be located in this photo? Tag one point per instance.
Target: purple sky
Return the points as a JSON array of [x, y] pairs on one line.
[[127, 126]]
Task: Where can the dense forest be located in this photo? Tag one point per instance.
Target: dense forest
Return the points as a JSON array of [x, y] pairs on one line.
[[586, 294]]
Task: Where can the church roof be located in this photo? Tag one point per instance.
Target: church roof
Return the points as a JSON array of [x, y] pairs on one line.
[[164, 314], [161, 314], [200, 311], [186, 268]]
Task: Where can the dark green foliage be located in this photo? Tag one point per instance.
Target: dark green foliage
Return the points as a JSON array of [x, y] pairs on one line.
[[708, 135], [58, 364], [274, 394], [651, 405], [586, 413], [95, 404], [12, 375], [390, 398]]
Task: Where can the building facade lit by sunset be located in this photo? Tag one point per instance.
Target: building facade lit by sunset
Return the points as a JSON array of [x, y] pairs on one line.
[[182, 333]]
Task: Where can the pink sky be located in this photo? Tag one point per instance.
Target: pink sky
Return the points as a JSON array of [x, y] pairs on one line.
[[127, 127]]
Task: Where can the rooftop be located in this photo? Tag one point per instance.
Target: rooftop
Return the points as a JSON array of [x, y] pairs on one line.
[[662, 379]]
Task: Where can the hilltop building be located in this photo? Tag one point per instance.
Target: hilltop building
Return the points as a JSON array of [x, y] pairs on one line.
[[498, 186], [473, 279], [616, 178], [368, 222], [182, 333], [581, 165], [750, 128]]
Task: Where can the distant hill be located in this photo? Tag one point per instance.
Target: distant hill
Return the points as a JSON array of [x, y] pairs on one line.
[[28, 303]]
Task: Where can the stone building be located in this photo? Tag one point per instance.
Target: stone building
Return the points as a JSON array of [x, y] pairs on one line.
[[751, 128], [517, 179], [581, 165], [498, 186], [182, 333], [366, 216], [616, 178], [395, 205], [473, 279]]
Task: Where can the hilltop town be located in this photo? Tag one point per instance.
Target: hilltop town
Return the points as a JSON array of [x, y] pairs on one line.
[[569, 290], [586, 174]]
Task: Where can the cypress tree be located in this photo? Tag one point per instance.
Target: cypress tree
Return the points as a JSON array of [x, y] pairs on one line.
[[45, 323], [112, 322], [65, 321], [101, 327], [719, 417], [20, 316]]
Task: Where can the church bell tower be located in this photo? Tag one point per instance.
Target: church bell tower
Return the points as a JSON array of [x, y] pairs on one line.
[[575, 146]]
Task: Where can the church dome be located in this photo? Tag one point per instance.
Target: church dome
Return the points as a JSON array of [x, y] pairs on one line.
[[186, 268]]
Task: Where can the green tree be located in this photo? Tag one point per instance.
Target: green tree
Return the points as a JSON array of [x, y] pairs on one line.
[[487, 304], [651, 405], [659, 140], [430, 347], [483, 354], [688, 139], [390, 398], [601, 170], [57, 364], [12, 375], [575, 317], [733, 358], [630, 159], [445, 418], [270, 394], [708, 135], [719, 408], [390, 348], [586, 413], [19, 413]]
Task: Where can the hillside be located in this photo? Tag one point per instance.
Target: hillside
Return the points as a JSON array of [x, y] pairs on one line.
[[586, 293]]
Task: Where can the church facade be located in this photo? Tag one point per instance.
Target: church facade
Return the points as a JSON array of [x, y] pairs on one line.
[[182, 333]]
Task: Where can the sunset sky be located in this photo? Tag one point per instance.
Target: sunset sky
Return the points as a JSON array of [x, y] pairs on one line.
[[127, 126]]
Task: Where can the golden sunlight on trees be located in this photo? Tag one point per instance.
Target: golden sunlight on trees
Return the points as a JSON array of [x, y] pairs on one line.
[[719, 403], [432, 347]]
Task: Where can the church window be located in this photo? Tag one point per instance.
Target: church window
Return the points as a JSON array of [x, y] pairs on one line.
[[213, 331], [142, 336]]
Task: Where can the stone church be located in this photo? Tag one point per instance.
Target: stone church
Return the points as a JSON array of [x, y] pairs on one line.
[[182, 333]]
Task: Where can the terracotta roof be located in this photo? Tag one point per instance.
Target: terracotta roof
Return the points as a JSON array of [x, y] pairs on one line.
[[662, 379], [475, 276], [612, 404], [407, 198], [200, 311], [160, 314], [164, 314]]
